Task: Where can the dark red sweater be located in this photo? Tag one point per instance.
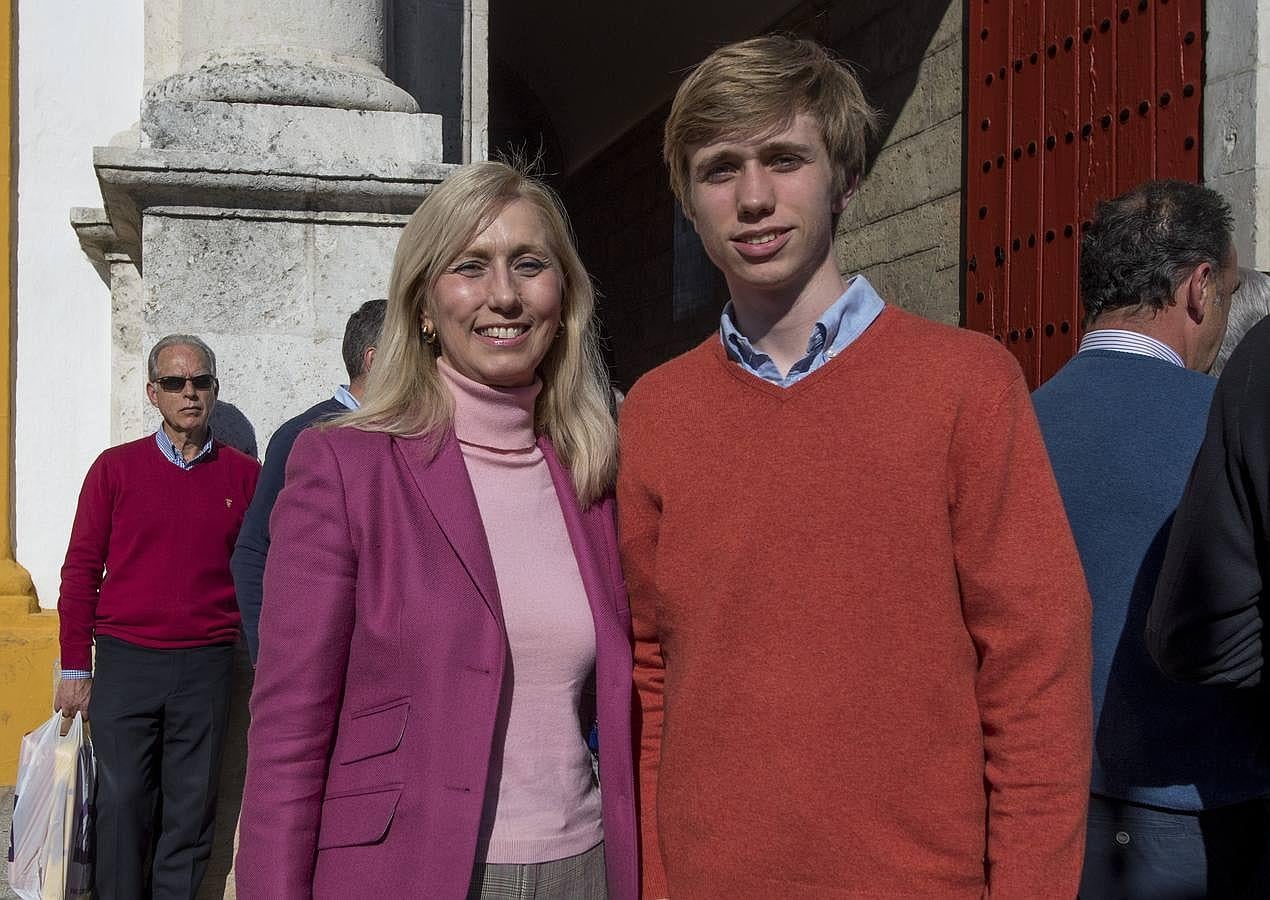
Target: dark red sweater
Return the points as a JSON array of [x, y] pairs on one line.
[[148, 560]]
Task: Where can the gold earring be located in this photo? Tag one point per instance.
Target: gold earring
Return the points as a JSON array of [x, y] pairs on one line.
[[429, 336]]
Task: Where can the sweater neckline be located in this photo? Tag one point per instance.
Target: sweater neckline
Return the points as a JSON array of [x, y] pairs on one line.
[[492, 417], [883, 321]]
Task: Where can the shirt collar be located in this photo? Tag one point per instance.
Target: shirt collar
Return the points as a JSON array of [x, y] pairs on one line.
[[1123, 341], [345, 397], [838, 326], [174, 455]]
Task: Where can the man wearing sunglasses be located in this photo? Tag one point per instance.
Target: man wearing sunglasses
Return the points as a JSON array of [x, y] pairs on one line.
[[147, 580]]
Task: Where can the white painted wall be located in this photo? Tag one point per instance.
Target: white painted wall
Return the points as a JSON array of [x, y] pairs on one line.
[[79, 83]]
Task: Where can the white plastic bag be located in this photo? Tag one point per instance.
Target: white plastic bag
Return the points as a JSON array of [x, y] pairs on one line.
[[51, 843]]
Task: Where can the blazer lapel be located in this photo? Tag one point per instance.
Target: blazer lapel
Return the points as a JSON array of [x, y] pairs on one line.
[[447, 490], [586, 535]]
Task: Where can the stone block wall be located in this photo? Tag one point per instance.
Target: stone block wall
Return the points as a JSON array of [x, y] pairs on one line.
[[903, 227], [1236, 135]]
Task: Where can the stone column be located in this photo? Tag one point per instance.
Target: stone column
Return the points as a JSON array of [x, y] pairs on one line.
[[297, 52], [1236, 133], [262, 197], [258, 205]]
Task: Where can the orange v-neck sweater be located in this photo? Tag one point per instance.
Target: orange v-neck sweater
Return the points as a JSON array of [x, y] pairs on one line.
[[862, 630]]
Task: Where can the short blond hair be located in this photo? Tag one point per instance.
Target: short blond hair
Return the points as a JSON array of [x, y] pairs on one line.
[[404, 392], [758, 86]]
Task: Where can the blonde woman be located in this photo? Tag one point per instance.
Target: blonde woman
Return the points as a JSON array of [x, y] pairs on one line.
[[442, 586]]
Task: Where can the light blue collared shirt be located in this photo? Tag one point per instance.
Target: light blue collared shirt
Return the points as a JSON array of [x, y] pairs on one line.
[[343, 396], [1129, 342], [174, 455], [841, 324]]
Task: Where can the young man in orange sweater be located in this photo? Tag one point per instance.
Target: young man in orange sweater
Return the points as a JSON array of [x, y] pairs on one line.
[[862, 631]]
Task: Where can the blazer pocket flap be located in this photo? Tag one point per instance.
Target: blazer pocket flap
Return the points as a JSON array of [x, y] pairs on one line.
[[354, 820], [374, 732]]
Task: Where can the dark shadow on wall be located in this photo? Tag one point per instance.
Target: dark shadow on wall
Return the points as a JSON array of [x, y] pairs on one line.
[[231, 427], [233, 775], [520, 128], [425, 58], [885, 41]]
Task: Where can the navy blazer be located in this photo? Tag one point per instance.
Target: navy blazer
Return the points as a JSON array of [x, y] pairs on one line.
[[248, 562]]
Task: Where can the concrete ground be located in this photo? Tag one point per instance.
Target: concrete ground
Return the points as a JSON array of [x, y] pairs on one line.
[[6, 813]]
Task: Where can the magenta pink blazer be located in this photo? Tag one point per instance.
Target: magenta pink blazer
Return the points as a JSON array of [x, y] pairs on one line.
[[381, 659]]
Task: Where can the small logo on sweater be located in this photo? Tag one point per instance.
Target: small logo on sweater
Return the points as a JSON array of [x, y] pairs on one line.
[[228, 503]]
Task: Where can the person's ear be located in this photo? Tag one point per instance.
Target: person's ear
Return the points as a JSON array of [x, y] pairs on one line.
[[368, 359], [1201, 290], [840, 201]]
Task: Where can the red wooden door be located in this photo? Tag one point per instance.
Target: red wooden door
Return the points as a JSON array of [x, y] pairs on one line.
[[1068, 102]]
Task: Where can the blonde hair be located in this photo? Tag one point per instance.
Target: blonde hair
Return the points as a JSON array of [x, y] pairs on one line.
[[758, 86], [404, 392]]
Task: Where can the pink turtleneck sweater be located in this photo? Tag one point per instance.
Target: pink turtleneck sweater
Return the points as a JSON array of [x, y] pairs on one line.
[[542, 802]]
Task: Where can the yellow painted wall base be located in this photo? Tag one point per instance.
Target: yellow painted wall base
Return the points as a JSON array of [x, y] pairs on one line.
[[28, 650]]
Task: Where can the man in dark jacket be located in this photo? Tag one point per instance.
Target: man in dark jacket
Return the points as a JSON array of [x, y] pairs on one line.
[[248, 562], [1207, 622]]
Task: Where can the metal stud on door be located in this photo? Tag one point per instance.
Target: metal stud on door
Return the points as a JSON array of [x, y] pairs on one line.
[[1068, 102]]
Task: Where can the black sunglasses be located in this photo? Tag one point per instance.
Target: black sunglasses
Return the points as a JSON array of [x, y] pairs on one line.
[[174, 383]]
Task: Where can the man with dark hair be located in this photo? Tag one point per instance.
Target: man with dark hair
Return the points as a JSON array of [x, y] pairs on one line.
[[146, 581], [361, 334], [1172, 807], [862, 634]]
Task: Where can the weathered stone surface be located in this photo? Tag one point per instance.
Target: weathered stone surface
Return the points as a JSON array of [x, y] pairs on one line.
[[1235, 129], [128, 404], [1250, 207], [1235, 25], [878, 28], [333, 29], [270, 298], [929, 226], [296, 52], [903, 227], [933, 94], [918, 285], [1230, 125], [313, 138], [259, 277], [271, 79], [908, 173], [361, 192]]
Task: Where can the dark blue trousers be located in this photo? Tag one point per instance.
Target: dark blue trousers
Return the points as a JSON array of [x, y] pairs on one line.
[[1135, 852], [158, 726]]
